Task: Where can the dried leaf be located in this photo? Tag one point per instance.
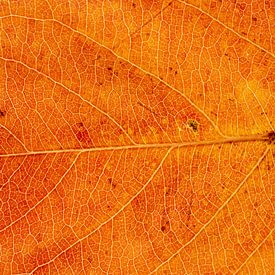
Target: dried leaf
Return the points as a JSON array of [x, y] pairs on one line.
[[137, 137]]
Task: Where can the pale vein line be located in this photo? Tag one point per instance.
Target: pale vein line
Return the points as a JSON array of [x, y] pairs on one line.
[[227, 27], [13, 135], [256, 249], [71, 91], [129, 62], [48, 194], [152, 18], [112, 217], [248, 138], [217, 212]]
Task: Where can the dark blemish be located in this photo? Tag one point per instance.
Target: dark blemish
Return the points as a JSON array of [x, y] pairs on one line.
[[193, 124], [176, 72], [39, 237], [188, 214], [244, 33], [242, 6], [254, 18], [103, 121], [167, 191], [109, 68], [227, 55], [245, 191], [134, 5], [97, 57], [2, 113], [213, 113], [110, 180], [170, 68], [165, 228], [82, 134], [230, 99], [271, 137], [147, 108]]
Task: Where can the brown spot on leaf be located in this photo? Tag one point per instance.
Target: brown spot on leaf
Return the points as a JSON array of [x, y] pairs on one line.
[[166, 227], [271, 137], [193, 124], [82, 134], [165, 224], [111, 182]]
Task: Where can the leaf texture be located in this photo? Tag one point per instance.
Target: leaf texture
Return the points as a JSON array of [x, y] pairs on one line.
[[137, 137]]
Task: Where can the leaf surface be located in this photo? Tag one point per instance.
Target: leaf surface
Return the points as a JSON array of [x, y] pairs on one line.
[[137, 137]]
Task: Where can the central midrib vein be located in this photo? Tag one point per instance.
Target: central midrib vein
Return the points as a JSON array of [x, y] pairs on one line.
[[247, 138]]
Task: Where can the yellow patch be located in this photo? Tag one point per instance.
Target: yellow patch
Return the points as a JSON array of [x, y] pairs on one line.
[[252, 101], [153, 129], [121, 138], [165, 121], [251, 93]]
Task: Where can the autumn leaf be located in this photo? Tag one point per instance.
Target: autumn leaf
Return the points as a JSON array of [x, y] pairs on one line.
[[137, 137]]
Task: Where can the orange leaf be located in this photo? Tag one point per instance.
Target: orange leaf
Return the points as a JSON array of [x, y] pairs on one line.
[[137, 137]]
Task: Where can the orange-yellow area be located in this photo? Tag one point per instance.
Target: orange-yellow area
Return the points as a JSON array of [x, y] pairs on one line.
[[253, 100], [251, 93]]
